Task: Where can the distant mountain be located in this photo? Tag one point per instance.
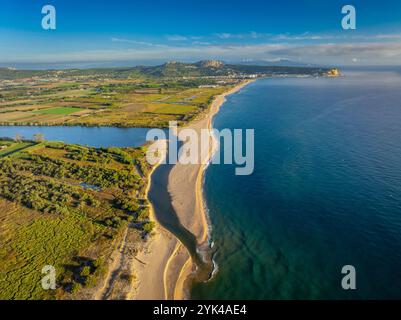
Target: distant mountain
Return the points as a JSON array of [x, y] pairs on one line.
[[210, 64], [172, 69], [219, 68]]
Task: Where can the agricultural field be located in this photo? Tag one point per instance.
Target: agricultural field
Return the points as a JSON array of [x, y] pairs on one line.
[[8, 148], [150, 108], [66, 206], [88, 101], [58, 110]]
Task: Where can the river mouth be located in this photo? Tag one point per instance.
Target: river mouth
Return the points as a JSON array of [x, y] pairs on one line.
[[166, 215]]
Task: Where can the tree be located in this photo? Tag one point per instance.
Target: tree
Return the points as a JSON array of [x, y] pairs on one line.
[[18, 137], [39, 137], [86, 271], [75, 287], [148, 227]]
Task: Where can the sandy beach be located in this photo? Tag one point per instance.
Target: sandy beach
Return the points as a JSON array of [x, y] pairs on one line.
[[150, 264], [186, 190], [162, 267]]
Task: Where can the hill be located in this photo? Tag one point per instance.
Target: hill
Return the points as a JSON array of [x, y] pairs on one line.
[[205, 68]]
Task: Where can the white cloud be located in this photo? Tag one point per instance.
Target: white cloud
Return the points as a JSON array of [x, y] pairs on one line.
[[176, 37], [139, 43], [377, 52], [201, 43], [248, 35], [224, 35], [342, 36], [370, 53], [303, 36]]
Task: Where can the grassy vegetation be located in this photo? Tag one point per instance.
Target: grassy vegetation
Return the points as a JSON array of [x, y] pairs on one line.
[[35, 241], [174, 109], [59, 110], [14, 147], [124, 105], [51, 215]]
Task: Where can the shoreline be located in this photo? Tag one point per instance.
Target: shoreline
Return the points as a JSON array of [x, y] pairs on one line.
[[151, 262], [186, 188], [163, 264]]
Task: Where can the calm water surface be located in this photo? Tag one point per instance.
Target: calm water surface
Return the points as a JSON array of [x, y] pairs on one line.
[[91, 136], [326, 191]]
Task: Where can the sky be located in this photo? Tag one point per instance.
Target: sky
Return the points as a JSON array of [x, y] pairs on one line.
[[118, 32]]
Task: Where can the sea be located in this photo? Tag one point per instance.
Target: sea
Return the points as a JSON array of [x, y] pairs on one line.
[[325, 192]]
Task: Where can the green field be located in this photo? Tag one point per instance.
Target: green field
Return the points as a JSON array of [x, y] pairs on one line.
[[42, 240], [49, 217], [92, 100], [174, 109], [18, 146], [59, 110]]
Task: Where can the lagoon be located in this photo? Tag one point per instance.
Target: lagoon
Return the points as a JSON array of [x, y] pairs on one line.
[[91, 136]]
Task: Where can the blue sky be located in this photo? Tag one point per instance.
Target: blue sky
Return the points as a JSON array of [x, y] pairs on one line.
[[93, 32]]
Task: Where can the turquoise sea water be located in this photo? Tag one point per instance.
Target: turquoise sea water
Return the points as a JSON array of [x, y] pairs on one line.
[[326, 191]]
